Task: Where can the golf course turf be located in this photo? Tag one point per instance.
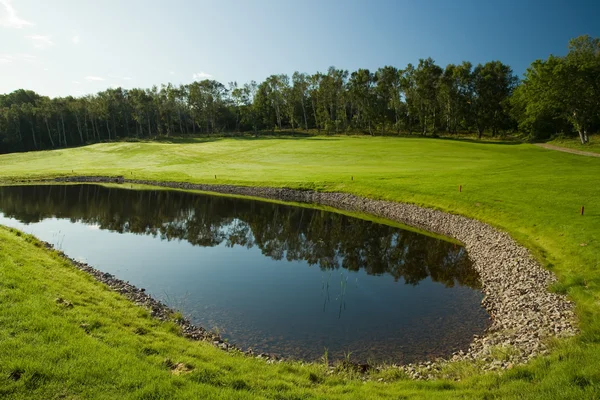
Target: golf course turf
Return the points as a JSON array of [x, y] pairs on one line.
[[94, 349]]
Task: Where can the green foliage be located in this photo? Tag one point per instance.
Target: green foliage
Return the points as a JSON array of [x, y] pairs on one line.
[[561, 94], [425, 99]]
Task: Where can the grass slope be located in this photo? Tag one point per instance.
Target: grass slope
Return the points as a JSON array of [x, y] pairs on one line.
[[534, 194], [593, 146]]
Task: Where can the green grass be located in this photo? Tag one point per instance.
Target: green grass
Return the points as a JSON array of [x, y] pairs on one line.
[[532, 193], [593, 146]]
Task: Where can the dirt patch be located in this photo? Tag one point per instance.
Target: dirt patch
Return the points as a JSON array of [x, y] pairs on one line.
[[567, 150]]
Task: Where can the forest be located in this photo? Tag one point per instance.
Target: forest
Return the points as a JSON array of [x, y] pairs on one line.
[[559, 95]]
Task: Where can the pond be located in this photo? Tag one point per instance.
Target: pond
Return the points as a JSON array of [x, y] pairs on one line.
[[281, 279]]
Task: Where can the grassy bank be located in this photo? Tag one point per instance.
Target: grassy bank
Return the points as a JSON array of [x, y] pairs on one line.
[[574, 143], [532, 193]]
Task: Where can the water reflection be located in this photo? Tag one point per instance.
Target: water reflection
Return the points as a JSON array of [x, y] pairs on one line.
[[326, 239], [277, 278]]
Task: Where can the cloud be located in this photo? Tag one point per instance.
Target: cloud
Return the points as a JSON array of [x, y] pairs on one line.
[[125, 78], [94, 78], [9, 17], [40, 41], [76, 82], [10, 58], [201, 75], [76, 39]]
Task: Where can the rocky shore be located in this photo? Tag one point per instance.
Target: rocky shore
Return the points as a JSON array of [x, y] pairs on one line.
[[525, 315]]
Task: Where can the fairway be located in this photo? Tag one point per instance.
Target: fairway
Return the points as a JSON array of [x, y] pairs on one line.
[[532, 193]]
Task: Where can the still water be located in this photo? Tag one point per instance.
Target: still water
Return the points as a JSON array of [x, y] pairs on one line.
[[280, 279]]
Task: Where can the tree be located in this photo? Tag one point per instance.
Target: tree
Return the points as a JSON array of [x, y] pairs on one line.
[[361, 89], [427, 78], [577, 78], [561, 93], [493, 84], [331, 93], [301, 84], [389, 92]]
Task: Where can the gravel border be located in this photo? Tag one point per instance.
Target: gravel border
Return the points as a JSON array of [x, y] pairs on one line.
[[525, 315]]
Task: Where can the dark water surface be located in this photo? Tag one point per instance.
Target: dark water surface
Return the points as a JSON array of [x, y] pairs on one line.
[[280, 279]]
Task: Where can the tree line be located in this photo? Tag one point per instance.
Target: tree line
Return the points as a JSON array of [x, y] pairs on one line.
[[328, 240], [557, 95]]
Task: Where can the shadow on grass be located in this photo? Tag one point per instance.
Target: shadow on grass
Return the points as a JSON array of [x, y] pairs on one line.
[[295, 135], [233, 136], [291, 135], [508, 141]]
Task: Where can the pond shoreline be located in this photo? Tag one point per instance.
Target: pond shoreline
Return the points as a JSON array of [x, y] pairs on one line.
[[525, 315]]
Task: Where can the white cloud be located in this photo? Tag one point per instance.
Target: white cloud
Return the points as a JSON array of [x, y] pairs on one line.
[[76, 39], [94, 78], [10, 58], [40, 41], [9, 17], [76, 82], [201, 75], [125, 78], [171, 72]]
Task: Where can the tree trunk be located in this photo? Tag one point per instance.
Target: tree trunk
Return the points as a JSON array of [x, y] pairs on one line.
[[62, 120], [19, 131], [278, 115], [108, 129], [315, 114], [168, 125], [582, 136], [49, 133], [95, 132], [79, 128], [304, 113], [58, 131], [87, 133], [33, 135]]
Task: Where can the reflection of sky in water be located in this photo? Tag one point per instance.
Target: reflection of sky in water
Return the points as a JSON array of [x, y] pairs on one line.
[[285, 307]]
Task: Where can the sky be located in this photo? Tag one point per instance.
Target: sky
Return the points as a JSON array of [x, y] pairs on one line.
[[77, 47]]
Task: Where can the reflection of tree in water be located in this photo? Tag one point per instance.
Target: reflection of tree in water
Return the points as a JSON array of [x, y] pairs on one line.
[[321, 238]]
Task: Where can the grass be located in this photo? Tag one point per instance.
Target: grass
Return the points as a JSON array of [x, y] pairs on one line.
[[593, 146], [532, 193]]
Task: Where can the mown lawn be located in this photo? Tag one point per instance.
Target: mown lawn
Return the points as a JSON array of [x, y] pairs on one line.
[[533, 193]]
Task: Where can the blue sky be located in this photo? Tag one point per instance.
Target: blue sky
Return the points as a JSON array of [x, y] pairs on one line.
[[62, 47]]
